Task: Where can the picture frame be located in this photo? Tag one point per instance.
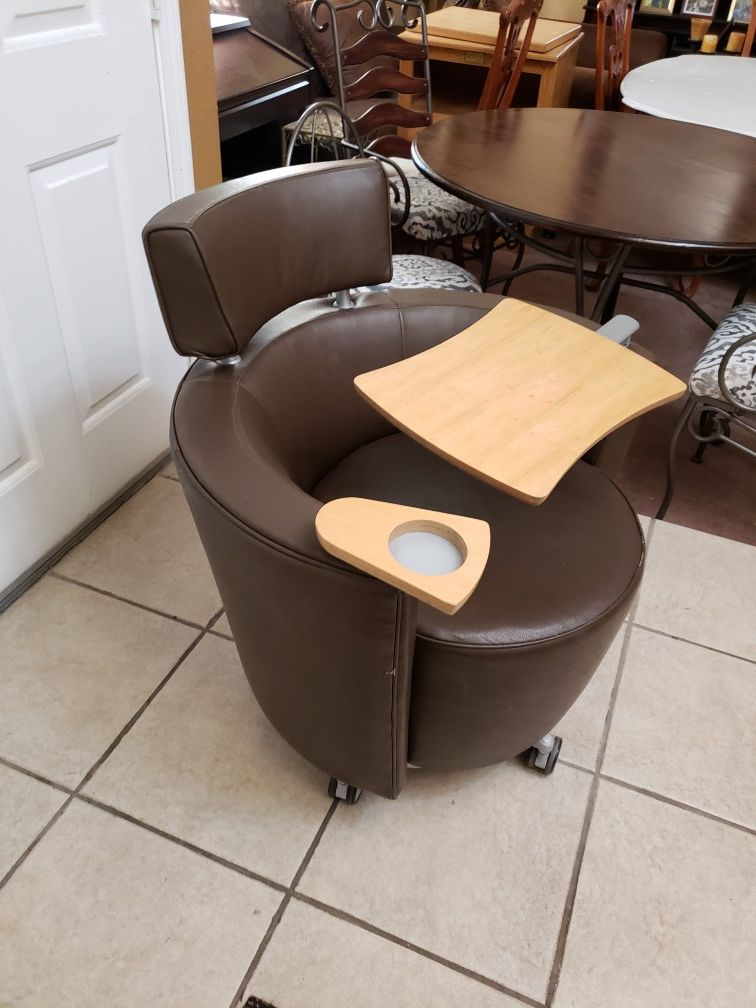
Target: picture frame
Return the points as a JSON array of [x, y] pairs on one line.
[[740, 10], [701, 8], [657, 6]]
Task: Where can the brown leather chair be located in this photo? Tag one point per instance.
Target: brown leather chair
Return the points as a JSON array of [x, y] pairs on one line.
[[267, 425]]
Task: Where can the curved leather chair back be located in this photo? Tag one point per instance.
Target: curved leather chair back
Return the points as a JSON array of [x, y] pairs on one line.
[[227, 259]]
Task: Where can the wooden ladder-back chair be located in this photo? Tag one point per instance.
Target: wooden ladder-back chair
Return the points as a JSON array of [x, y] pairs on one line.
[[750, 32], [508, 61], [498, 93], [433, 216], [615, 18]]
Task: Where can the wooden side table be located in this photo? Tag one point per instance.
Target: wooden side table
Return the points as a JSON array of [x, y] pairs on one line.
[[555, 68]]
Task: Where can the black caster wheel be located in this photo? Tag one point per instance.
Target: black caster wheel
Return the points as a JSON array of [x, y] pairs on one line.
[[544, 762], [344, 792]]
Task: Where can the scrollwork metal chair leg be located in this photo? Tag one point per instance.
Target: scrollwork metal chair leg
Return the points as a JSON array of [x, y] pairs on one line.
[[489, 236], [690, 404], [515, 266]]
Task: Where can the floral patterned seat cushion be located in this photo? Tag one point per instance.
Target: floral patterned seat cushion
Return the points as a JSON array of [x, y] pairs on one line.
[[416, 271], [434, 214], [741, 370]]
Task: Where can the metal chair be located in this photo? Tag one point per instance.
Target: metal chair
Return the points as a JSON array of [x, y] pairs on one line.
[[370, 98], [327, 128], [722, 391]]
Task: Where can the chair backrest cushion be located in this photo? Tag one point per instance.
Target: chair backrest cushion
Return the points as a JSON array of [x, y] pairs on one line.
[[229, 258]]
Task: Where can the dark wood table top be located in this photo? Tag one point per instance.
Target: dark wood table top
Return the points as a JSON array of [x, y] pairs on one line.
[[248, 65], [629, 178]]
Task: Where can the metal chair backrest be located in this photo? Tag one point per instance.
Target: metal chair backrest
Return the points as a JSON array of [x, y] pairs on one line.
[[615, 19], [508, 60], [380, 40], [327, 127]]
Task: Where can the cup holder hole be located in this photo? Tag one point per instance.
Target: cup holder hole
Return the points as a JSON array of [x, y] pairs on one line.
[[427, 547]]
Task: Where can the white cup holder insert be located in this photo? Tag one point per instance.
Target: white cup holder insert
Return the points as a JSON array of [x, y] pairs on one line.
[[427, 547]]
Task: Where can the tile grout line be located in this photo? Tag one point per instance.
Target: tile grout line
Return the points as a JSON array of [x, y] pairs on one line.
[[663, 633], [100, 760], [576, 766], [223, 636], [278, 915], [135, 717], [25, 853], [564, 928], [686, 640], [131, 602], [667, 800], [186, 844], [364, 925], [213, 620], [41, 778]]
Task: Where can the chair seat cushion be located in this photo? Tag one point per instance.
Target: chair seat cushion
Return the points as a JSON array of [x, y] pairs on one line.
[[421, 272], [740, 376], [552, 569], [435, 214]]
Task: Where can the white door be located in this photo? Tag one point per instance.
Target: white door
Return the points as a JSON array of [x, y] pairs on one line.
[[86, 370]]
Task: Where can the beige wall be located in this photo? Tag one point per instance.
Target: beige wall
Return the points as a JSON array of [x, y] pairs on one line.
[[200, 89]]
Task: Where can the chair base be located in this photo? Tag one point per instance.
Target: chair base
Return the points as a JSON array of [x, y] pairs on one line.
[[543, 756], [347, 793]]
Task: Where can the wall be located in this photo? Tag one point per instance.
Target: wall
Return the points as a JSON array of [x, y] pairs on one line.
[[200, 88]]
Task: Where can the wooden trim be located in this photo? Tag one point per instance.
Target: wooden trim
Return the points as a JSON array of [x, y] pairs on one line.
[[199, 68]]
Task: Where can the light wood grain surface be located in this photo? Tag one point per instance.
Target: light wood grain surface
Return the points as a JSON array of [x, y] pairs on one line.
[[518, 397], [482, 27], [359, 531]]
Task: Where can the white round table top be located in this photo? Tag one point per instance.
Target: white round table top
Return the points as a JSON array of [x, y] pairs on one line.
[[718, 91]]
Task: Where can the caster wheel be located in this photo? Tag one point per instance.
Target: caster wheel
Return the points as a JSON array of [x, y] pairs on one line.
[[344, 792], [544, 759]]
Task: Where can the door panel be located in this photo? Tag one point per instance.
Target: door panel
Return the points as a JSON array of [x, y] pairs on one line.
[[86, 370]]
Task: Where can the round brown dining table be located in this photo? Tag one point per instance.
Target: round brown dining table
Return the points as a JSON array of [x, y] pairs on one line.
[[634, 180]]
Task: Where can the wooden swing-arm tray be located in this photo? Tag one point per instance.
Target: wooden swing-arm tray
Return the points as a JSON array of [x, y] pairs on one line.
[[518, 397], [360, 531]]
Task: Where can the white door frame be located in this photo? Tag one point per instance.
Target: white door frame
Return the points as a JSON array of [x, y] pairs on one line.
[[169, 54]]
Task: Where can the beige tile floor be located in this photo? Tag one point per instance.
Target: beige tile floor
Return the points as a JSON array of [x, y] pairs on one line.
[[160, 845]]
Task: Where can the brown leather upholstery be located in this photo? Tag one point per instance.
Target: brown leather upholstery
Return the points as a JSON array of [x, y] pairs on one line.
[[213, 312], [542, 598], [352, 673]]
